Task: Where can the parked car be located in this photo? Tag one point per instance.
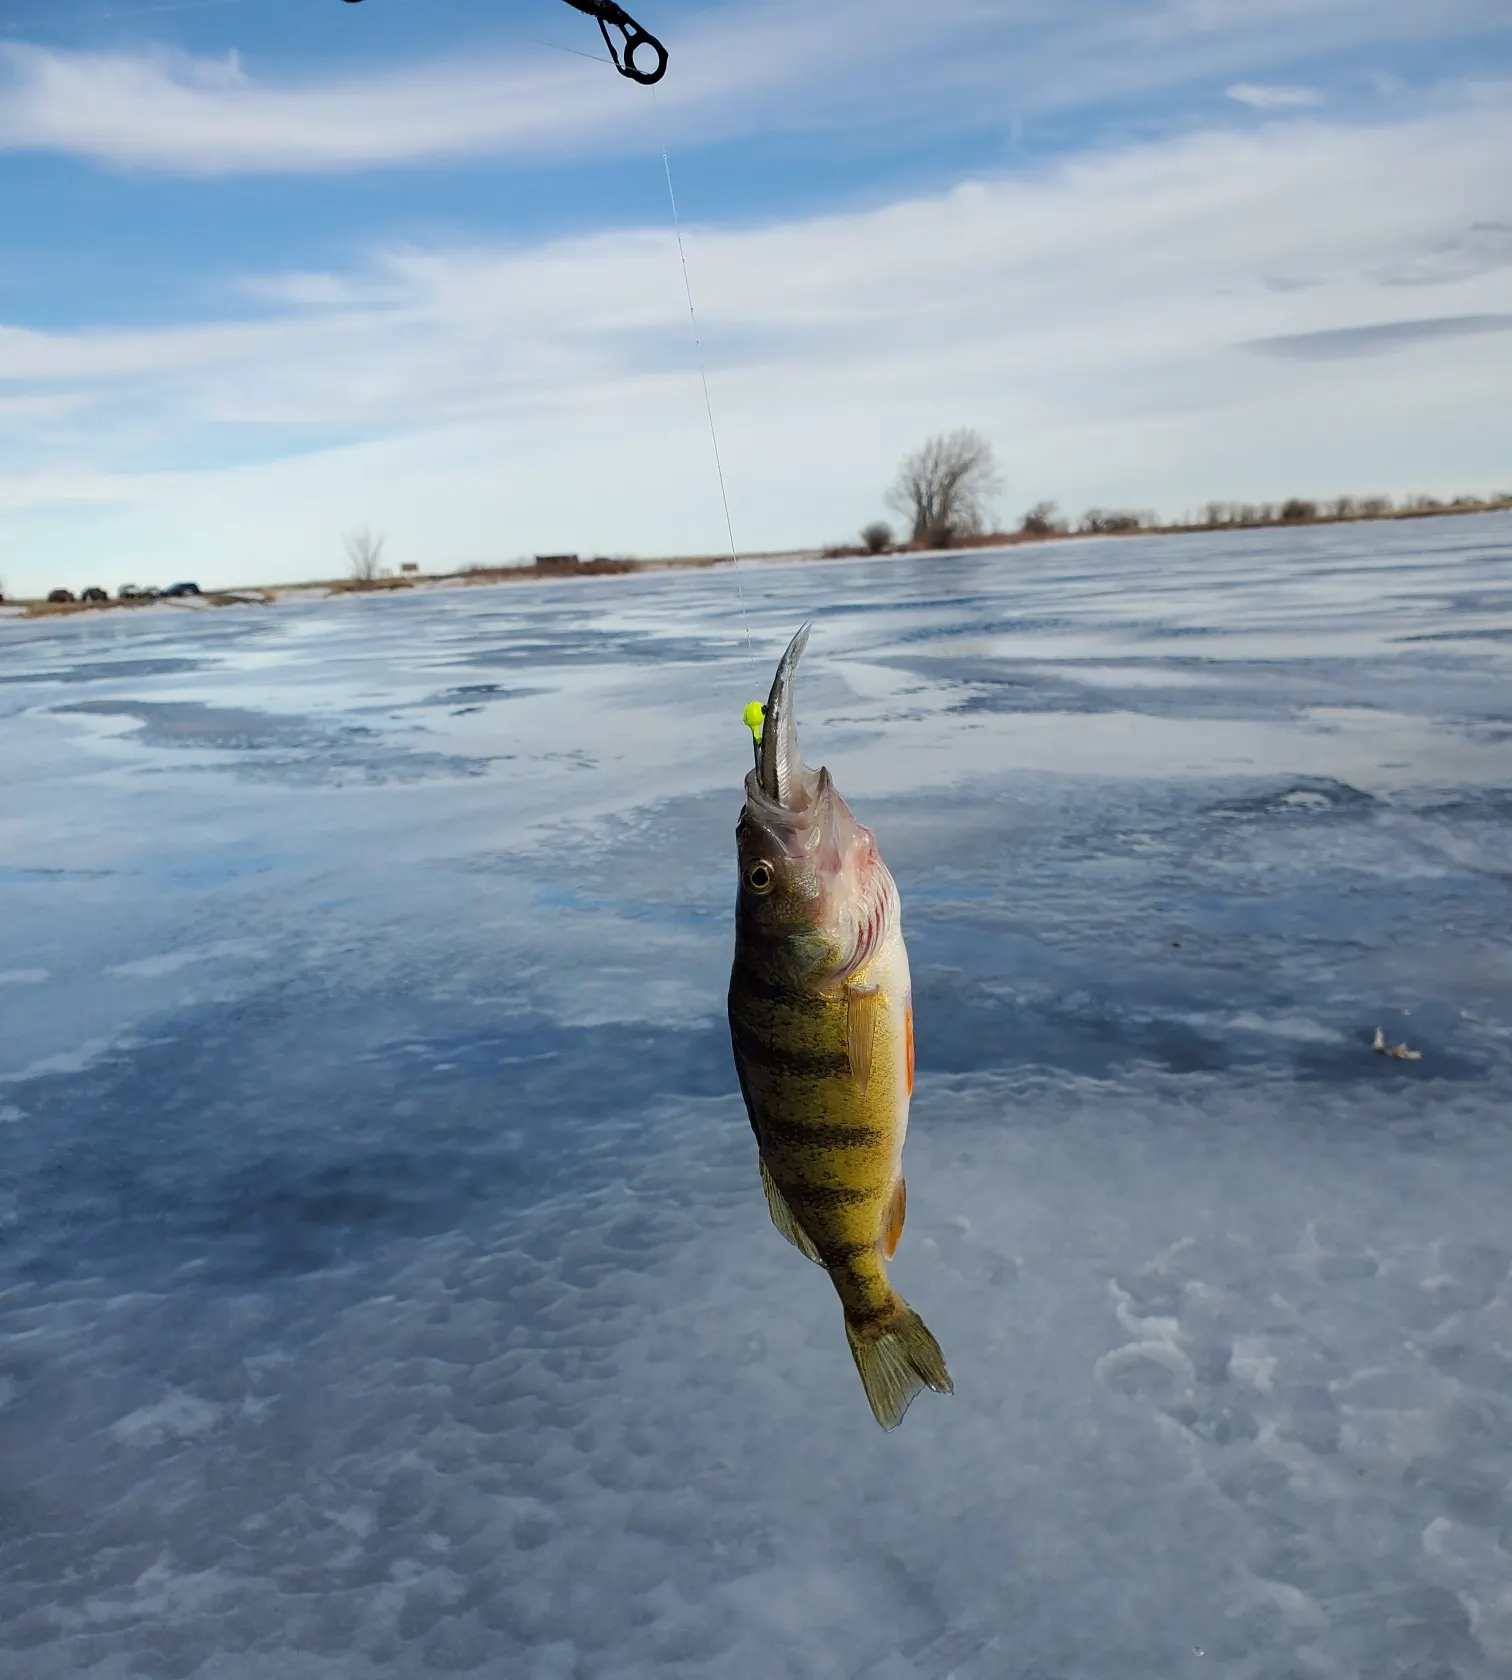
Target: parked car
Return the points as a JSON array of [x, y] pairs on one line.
[[93, 593], [174, 590], [127, 592], [57, 595]]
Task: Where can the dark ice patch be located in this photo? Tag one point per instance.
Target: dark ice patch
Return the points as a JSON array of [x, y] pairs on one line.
[[191, 723], [103, 670], [574, 644], [474, 696], [190, 1149], [292, 750], [1298, 798]]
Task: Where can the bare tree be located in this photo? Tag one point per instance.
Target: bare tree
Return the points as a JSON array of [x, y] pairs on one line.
[[1040, 521], [943, 489], [877, 536], [364, 551]]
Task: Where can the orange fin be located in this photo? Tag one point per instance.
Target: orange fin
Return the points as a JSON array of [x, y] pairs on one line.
[[908, 1042], [863, 1004], [892, 1225]]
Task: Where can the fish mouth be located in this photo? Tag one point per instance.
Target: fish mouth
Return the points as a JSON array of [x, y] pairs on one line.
[[780, 775]]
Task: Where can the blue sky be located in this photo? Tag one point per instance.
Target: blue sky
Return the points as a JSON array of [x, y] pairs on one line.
[[274, 268]]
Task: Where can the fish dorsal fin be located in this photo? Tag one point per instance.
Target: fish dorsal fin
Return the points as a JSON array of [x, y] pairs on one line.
[[892, 1225], [863, 1004], [783, 1218]]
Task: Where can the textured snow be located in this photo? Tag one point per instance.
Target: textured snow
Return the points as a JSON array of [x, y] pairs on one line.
[[386, 1287]]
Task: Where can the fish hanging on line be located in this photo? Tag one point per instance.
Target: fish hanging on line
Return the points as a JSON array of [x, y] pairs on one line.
[[821, 1022]]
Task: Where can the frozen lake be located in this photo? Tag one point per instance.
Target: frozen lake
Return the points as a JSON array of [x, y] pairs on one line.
[[386, 1287]]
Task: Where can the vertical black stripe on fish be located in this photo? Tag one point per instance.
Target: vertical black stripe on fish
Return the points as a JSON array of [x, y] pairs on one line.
[[860, 1317], [757, 980], [823, 1134], [752, 1048], [825, 1198]]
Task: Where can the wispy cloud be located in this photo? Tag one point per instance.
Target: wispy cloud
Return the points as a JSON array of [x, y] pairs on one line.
[[1263, 97], [767, 66], [167, 110], [1477, 249], [1334, 343], [478, 402]]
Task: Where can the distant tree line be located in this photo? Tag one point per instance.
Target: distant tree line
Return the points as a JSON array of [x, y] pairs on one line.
[[945, 489], [1298, 508]]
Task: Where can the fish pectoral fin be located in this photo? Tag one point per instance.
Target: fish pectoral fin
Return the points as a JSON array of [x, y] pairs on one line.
[[892, 1224], [784, 1218], [863, 1005]]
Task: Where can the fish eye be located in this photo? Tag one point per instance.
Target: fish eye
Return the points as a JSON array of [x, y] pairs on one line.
[[759, 877]]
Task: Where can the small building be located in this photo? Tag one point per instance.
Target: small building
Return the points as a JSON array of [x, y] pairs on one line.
[[556, 562], [408, 568]]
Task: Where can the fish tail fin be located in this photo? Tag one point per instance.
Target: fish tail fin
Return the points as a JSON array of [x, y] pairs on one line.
[[896, 1356]]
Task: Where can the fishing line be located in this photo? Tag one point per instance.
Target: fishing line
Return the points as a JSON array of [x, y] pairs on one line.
[[724, 496], [598, 58]]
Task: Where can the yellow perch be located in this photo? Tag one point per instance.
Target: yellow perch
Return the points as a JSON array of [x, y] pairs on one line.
[[821, 1019]]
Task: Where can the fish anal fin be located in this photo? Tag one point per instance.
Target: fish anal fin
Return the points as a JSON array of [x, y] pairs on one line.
[[892, 1225], [785, 1220], [863, 1006]]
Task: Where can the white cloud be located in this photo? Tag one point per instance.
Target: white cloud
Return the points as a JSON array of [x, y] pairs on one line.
[[1092, 319], [167, 110], [1271, 98]]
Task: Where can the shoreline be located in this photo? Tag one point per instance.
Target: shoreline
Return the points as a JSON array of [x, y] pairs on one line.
[[550, 568]]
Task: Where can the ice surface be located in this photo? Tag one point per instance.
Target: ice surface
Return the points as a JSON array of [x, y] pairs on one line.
[[386, 1288]]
